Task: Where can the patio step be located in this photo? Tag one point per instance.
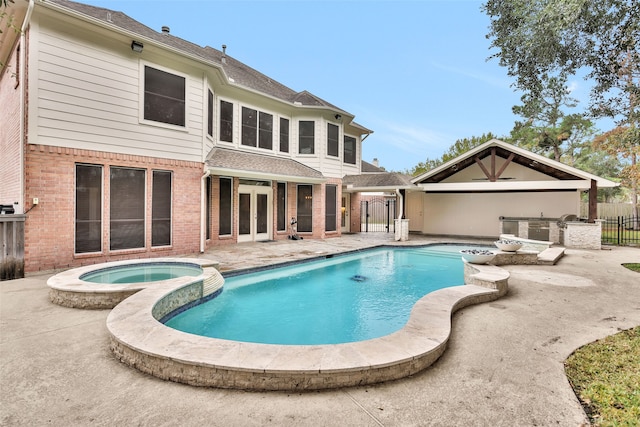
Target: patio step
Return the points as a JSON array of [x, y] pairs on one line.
[[551, 256]]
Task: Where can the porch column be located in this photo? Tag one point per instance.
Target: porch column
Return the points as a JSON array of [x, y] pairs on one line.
[[593, 202]]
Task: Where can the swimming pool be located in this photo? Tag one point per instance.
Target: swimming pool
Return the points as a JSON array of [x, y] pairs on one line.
[[140, 340], [347, 298]]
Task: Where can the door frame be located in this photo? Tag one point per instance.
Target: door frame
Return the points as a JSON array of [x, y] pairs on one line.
[[254, 191], [345, 213]]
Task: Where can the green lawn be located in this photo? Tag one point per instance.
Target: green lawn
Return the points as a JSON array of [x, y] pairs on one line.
[[605, 376]]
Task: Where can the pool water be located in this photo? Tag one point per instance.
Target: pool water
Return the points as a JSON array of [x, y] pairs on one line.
[[140, 273], [336, 300]]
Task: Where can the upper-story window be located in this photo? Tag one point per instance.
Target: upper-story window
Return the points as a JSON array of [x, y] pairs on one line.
[[249, 126], [284, 135], [306, 137], [226, 121], [265, 131], [257, 128], [349, 150], [332, 140], [210, 113], [164, 97]]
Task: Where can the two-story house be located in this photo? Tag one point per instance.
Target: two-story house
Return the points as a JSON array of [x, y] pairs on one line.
[[119, 141]]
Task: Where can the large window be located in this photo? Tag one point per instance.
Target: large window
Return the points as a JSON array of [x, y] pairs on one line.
[[249, 126], [330, 209], [257, 128], [164, 97], [127, 201], [210, 113], [88, 209], [226, 206], [226, 121], [209, 207], [332, 140], [282, 206], [161, 209], [284, 135], [305, 208], [306, 137], [265, 132], [349, 150]]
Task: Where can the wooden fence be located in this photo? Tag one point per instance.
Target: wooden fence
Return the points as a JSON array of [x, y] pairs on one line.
[[610, 210], [12, 246]]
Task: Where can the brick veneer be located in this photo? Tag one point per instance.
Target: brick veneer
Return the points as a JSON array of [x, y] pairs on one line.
[[49, 228]]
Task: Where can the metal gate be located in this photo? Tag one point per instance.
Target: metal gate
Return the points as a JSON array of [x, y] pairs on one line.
[[378, 214], [621, 230]]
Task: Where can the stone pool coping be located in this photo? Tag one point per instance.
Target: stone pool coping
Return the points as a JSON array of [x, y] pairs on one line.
[[141, 341], [68, 290]]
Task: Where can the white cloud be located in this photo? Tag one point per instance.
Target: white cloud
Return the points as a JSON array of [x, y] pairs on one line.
[[502, 83]]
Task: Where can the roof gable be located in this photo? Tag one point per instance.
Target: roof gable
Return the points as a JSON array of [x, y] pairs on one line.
[[510, 154]]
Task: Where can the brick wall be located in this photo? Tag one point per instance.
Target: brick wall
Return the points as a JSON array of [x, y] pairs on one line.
[[49, 228]]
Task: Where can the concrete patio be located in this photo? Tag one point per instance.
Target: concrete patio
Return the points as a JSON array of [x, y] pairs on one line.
[[503, 365]]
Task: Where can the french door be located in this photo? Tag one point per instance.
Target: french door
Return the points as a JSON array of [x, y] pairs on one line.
[[255, 213]]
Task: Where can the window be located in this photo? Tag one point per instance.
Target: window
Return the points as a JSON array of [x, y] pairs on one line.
[[226, 121], [332, 140], [305, 208], [282, 206], [284, 135], [210, 113], [257, 128], [164, 97], [266, 131], [161, 209], [306, 133], [330, 209], [226, 206], [249, 126], [127, 198], [349, 150], [88, 228], [208, 205]]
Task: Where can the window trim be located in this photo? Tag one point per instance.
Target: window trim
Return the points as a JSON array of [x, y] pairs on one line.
[[310, 215], [300, 136], [337, 141], [102, 212], [355, 150], [220, 127], [141, 97], [144, 209], [231, 225], [334, 205], [281, 135], [281, 210], [153, 200], [211, 123]]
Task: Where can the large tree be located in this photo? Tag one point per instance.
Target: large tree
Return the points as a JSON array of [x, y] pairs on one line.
[[539, 40]]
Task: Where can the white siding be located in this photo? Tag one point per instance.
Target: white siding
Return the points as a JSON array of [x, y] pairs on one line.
[[87, 96]]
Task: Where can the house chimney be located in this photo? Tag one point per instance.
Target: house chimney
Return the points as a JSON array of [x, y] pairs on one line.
[[376, 163], [224, 53], [165, 29]]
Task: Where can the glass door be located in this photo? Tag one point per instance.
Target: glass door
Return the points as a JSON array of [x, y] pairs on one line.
[[344, 212], [254, 218]]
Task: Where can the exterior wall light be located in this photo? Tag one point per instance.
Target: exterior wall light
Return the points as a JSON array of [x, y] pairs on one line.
[[136, 46], [338, 116]]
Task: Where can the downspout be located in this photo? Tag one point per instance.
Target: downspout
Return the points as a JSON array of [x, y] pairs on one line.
[[22, 74], [203, 212], [400, 211]]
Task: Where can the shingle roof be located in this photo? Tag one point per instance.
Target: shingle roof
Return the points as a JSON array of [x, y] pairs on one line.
[[226, 160], [369, 167], [378, 180], [238, 72]]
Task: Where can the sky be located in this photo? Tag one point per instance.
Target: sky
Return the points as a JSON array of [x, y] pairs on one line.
[[416, 72]]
